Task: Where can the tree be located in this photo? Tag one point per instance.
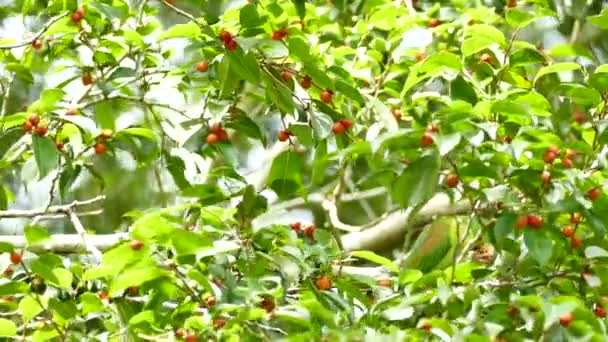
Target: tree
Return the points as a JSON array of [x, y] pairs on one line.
[[307, 170]]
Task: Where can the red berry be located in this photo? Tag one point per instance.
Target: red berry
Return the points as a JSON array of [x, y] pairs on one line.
[[37, 44], [567, 163], [427, 139], [566, 319], [133, 290], [306, 82], [28, 127], [103, 294], [522, 222], [535, 221], [267, 304], [59, 145], [34, 119], [575, 243], [553, 149], [599, 311], [215, 128], [231, 45], [397, 113], [8, 271], [136, 245], [222, 135], [433, 22], [568, 231], [309, 231], [323, 283], [87, 79], [106, 134], [451, 181], [575, 218], [41, 130], [338, 128], [191, 338], [594, 194], [212, 138], [579, 117], [283, 135], [225, 36], [296, 226], [202, 66], [347, 123], [545, 177], [421, 56], [278, 35], [78, 15], [326, 96], [100, 148], [16, 258], [211, 301], [286, 75], [512, 3], [486, 58], [549, 157], [426, 326]]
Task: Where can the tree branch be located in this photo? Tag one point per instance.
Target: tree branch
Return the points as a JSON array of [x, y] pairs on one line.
[[37, 35], [94, 251], [66, 243], [57, 209]]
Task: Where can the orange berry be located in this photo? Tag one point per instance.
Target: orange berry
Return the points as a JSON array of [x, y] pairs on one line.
[[568, 231], [71, 111], [451, 181], [427, 139], [59, 145], [202, 66], [215, 128], [575, 243], [579, 117], [211, 301], [231, 45], [309, 231], [566, 319], [37, 44], [323, 283], [286, 75], [106, 134], [421, 56], [545, 177], [219, 323], [347, 123], [326, 96], [594, 194], [225, 36], [212, 138], [28, 127], [283, 135], [535, 221], [433, 22], [296, 226], [570, 154], [41, 130], [8, 271], [338, 128], [385, 282], [549, 157], [87, 79], [34, 119], [136, 245], [397, 113], [306, 82], [179, 333], [222, 135], [16, 258], [599, 311], [567, 163], [576, 218], [100, 148], [512, 3], [486, 58]]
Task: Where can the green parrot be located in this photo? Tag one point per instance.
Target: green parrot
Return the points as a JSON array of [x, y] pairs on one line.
[[434, 247]]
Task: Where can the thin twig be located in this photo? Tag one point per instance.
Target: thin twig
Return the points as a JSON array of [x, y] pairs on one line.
[[37, 35], [58, 209], [94, 251]]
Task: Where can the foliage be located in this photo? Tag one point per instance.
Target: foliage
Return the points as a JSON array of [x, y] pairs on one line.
[[278, 169]]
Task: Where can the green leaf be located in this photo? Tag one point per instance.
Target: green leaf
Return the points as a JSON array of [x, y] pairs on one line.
[[321, 124], [7, 328], [189, 30], [29, 308], [503, 227], [303, 132], [555, 68], [46, 266], [299, 48], [518, 18], [600, 20], [251, 206], [481, 37], [14, 287], [599, 79], [377, 259], [152, 227], [188, 243], [90, 303], [65, 309], [245, 65], [49, 98], [45, 153], [285, 176], [135, 275], [349, 91], [300, 6], [539, 244], [36, 234], [249, 16], [206, 193], [245, 125], [417, 183]]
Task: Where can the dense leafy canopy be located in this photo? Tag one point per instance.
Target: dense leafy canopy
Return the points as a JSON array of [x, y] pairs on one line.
[[304, 170]]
